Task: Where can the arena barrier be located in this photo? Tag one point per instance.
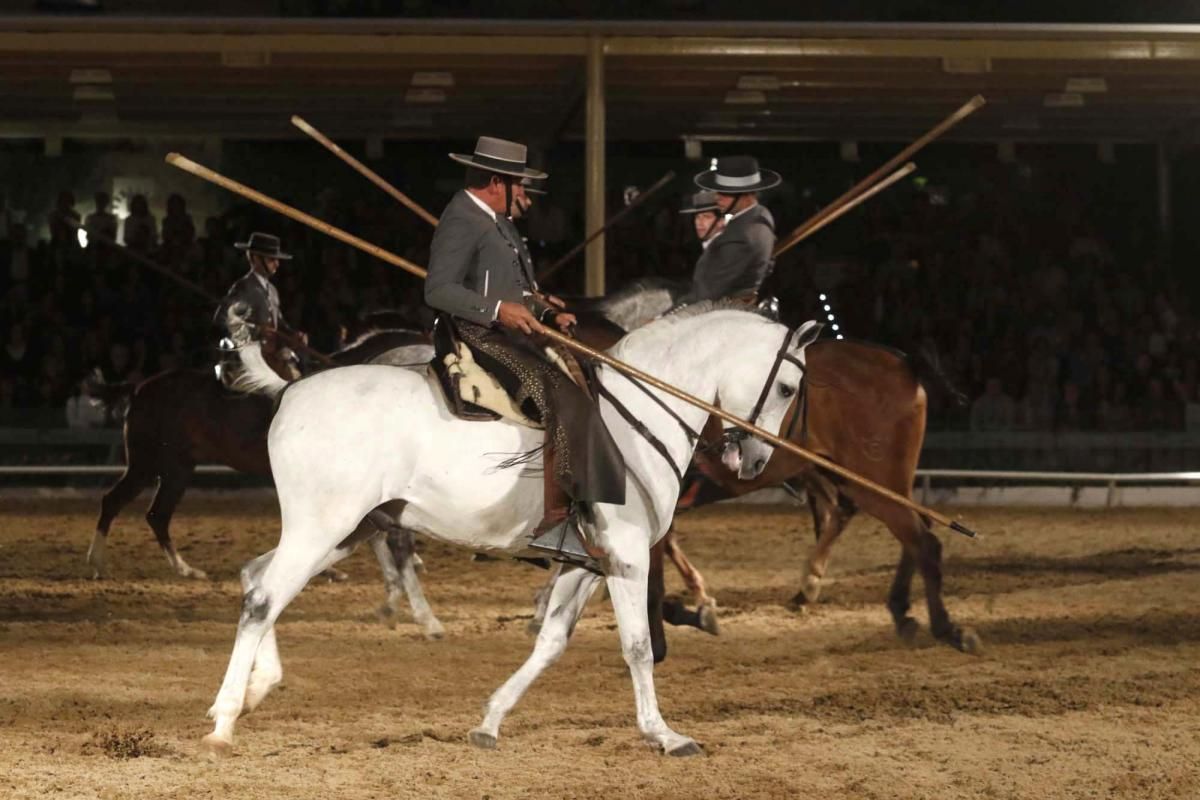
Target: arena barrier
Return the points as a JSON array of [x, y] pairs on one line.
[[965, 487]]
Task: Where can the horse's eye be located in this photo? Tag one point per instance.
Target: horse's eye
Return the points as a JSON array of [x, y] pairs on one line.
[[786, 391]]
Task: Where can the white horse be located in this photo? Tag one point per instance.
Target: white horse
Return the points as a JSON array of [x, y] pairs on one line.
[[353, 442]]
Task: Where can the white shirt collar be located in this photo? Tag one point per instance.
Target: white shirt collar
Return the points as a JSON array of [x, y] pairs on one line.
[[731, 217], [481, 204], [261, 279]]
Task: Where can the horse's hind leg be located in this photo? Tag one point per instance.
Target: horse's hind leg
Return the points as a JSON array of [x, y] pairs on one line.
[[898, 597], [396, 553], [568, 596], [656, 607], [130, 485], [541, 600], [274, 580], [173, 483], [929, 559]]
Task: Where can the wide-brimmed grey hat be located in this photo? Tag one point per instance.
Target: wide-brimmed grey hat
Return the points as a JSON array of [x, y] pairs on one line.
[[265, 245], [499, 155], [533, 186], [737, 175], [700, 202]]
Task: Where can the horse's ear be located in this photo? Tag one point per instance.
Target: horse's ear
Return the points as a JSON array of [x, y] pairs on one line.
[[806, 334]]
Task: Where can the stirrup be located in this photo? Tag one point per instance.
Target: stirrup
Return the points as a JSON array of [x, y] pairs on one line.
[[564, 543]]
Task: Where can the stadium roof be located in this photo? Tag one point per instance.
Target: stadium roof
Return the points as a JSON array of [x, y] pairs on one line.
[[434, 79]]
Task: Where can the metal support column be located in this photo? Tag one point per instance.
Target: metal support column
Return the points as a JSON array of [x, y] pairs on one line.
[[1164, 207], [594, 204]]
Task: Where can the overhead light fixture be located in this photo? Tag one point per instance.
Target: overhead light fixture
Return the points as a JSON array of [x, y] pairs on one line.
[[79, 76], [760, 83], [966, 65], [245, 59], [443, 80], [424, 96], [1063, 100], [1029, 123], [94, 93], [412, 118], [745, 98], [1087, 85]]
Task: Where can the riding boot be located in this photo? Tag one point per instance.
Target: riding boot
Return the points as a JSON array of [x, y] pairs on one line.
[[558, 533]]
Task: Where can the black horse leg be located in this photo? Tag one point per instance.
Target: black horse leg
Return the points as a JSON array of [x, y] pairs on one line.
[[129, 486], [173, 482], [898, 597], [655, 590], [943, 628]]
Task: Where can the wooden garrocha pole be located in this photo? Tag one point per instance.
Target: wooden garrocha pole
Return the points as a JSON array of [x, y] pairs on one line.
[[391, 258], [365, 171], [907, 169], [854, 191], [574, 251]]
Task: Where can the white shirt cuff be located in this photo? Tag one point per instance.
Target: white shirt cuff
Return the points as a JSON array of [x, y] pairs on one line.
[[496, 311]]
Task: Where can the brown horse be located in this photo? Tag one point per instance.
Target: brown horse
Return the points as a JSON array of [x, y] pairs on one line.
[[863, 407], [184, 417]]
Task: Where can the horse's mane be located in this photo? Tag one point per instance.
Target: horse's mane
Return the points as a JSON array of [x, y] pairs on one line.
[[256, 376], [704, 306], [375, 341], [626, 292]]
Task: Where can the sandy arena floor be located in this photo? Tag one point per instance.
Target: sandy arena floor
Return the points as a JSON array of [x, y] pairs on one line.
[[1087, 687]]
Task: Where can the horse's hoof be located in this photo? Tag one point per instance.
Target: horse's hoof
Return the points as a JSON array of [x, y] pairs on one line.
[[970, 643], [387, 615], [335, 575], [907, 630], [810, 591], [688, 748], [482, 739], [708, 620], [196, 574], [434, 631], [216, 747]]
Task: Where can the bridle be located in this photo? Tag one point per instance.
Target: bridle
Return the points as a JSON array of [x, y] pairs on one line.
[[737, 435], [730, 435]]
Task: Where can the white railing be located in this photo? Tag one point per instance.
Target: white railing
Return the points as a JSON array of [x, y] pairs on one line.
[[1110, 479], [925, 476]]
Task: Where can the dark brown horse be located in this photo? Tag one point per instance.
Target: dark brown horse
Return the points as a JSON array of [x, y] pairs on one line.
[[864, 408], [184, 417]]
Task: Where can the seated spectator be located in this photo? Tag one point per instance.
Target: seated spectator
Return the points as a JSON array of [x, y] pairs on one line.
[[1035, 412], [1071, 414], [993, 410], [101, 223], [178, 232], [1113, 413], [141, 229], [64, 223], [84, 410]]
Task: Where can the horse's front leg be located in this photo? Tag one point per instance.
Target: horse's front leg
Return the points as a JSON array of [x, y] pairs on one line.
[[568, 597], [627, 583]]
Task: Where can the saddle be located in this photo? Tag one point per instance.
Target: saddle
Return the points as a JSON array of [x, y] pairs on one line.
[[472, 393]]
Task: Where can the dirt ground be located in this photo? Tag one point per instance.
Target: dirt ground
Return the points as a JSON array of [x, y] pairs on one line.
[[1087, 686]]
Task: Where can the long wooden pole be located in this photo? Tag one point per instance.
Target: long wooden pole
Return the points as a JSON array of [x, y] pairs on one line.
[[549, 271], [854, 191], [907, 169], [366, 171], [391, 258], [195, 288]]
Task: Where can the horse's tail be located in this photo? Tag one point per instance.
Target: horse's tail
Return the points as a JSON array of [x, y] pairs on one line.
[[256, 376], [926, 365]]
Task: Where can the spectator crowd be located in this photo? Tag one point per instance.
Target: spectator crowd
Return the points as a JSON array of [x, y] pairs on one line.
[[1048, 316]]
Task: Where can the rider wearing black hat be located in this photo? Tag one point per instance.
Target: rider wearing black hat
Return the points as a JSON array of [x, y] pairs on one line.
[[737, 249], [250, 311], [480, 274]]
